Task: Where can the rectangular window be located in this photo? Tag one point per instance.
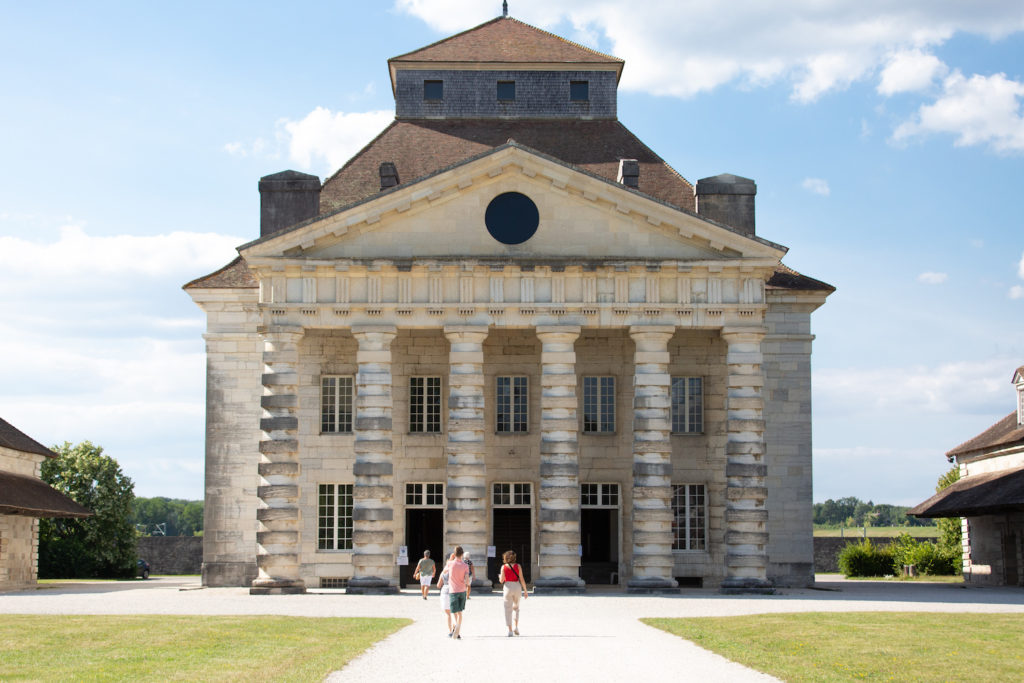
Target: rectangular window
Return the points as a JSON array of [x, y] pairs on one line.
[[506, 91], [579, 91], [511, 403], [335, 404], [687, 405], [598, 405], [335, 517], [425, 405], [512, 494], [689, 512], [599, 495], [430, 494], [433, 90]]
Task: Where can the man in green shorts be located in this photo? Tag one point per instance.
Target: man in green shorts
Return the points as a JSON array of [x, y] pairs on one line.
[[458, 577]]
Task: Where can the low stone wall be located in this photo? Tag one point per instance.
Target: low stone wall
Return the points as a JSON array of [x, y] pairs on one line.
[[827, 549], [172, 554]]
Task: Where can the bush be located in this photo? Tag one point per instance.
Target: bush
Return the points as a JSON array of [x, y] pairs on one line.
[[865, 559], [927, 557]]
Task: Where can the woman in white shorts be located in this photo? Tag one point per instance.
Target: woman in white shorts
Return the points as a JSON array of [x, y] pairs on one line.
[[446, 598]]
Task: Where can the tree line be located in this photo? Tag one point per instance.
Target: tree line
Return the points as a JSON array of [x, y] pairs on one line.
[[854, 512], [162, 516]]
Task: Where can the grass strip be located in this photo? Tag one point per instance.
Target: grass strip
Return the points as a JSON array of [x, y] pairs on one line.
[[183, 648], [857, 646]]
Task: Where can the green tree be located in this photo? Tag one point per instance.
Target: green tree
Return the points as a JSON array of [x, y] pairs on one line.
[[949, 527], [191, 518], [99, 546]]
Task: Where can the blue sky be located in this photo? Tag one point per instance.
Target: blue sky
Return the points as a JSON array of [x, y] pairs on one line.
[[887, 144]]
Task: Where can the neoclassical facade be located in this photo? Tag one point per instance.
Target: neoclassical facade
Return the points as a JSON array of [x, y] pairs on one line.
[[507, 323]]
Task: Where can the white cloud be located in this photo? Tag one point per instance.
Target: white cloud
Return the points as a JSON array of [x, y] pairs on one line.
[[817, 186], [930, 278], [1020, 267], [1016, 292], [684, 47], [978, 110], [908, 71], [327, 140]]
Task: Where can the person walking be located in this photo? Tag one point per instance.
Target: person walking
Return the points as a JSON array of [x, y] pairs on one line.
[[446, 598], [425, 573], [513, 586], [458, 576], [472, 574]]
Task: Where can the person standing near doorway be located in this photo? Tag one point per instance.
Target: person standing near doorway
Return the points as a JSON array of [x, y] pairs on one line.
[[513, 585], [458, 577], [425, 573], [472, 575]]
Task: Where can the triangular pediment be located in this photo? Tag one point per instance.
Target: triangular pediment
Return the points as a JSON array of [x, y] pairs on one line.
[[581, 217]]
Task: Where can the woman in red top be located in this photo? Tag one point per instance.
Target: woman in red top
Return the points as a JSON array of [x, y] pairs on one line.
[[513, 586]]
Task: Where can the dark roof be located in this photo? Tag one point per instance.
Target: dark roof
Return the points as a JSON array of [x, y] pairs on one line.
[[13, 438], [235, 275], [505, 39], [30, 497], [980, 494], [420, 147], [787, 278], [1004, 433]]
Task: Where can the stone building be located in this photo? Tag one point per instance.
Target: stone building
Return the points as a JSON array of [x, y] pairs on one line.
[[507, 323], [24, 498], [989, 499]]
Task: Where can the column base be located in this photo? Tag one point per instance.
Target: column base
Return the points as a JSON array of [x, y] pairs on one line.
[[371, 585], [744, 586], [560, 585], [481, 586], [277, 587], [650, 585]]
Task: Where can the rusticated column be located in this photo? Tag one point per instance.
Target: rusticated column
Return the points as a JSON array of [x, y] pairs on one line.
[[746, 517], [277, 535], [652, 462], [466, 516], [373, 556], [559, 527]]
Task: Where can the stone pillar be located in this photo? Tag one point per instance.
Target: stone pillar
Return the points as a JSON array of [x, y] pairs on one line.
[[373, 535], [746, 518], [466, 516], [277, 535], [559, 526], [652, 462]]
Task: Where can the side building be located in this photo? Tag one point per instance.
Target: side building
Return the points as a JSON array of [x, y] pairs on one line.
[[507, 323]]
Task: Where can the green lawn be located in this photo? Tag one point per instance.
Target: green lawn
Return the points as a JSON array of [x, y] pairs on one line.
[[879, 646], [182, 648], [880, 532]]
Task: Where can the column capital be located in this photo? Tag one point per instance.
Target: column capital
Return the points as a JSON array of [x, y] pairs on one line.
[[559, 332], [472, 333], [382, 329], [282, 332], [652, 332], [743, 334]]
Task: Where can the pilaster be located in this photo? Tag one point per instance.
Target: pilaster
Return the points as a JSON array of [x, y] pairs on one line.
[[559, 523], [277, 536], [652, 462], [373, 547], [746, 517]]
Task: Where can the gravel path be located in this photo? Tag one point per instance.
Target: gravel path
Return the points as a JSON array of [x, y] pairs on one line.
[[593, 637]]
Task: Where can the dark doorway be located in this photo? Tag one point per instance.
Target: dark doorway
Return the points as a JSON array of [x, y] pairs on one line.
[[424, 530], [599, 534], [1011, 576], [511, 532]]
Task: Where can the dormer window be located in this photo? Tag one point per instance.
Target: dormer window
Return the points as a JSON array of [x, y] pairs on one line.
[[506, 91], [433, 90], [579, 91], [1018, 381]]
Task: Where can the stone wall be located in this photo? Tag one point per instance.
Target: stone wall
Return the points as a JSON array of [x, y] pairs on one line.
[[827, 549], [171, 554]]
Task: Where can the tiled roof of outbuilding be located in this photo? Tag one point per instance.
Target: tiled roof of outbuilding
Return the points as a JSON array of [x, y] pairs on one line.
[[787, 278], [15, 439], [1004, 433], [980, 494], [30, 497], [235, 275]]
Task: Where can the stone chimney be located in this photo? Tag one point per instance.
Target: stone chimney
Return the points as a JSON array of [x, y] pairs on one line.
[[629, 172], [287, 198], [728, 199], [388, 175]]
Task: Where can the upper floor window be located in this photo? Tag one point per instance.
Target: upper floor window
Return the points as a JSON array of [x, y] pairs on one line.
[[335, 404], [425, 405], [599, 495], [579, 91], [689, 515], [512, 494], [510, 408], [424, 494], [433, 90], [334, 514], [598, 405], [687, 405], [506, 91]]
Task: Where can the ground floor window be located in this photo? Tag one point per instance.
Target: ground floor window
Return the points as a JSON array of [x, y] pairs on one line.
[[689, 517], [335, 517]]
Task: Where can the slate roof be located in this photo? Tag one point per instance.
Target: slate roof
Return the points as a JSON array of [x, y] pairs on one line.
[[505, 39], [980, 494], [13, 438], [235, 275], [30, 497], [1004, 433]]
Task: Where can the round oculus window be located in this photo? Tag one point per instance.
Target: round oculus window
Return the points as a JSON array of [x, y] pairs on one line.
[[511, 218]]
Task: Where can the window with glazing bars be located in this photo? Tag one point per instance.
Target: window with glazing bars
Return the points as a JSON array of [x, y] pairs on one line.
[[335, 404], [599, 495], [511, 404], [335, 517], [687, 405], [424, 494], [689, 515], [598, 405], [510, 494], [425, 404]]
